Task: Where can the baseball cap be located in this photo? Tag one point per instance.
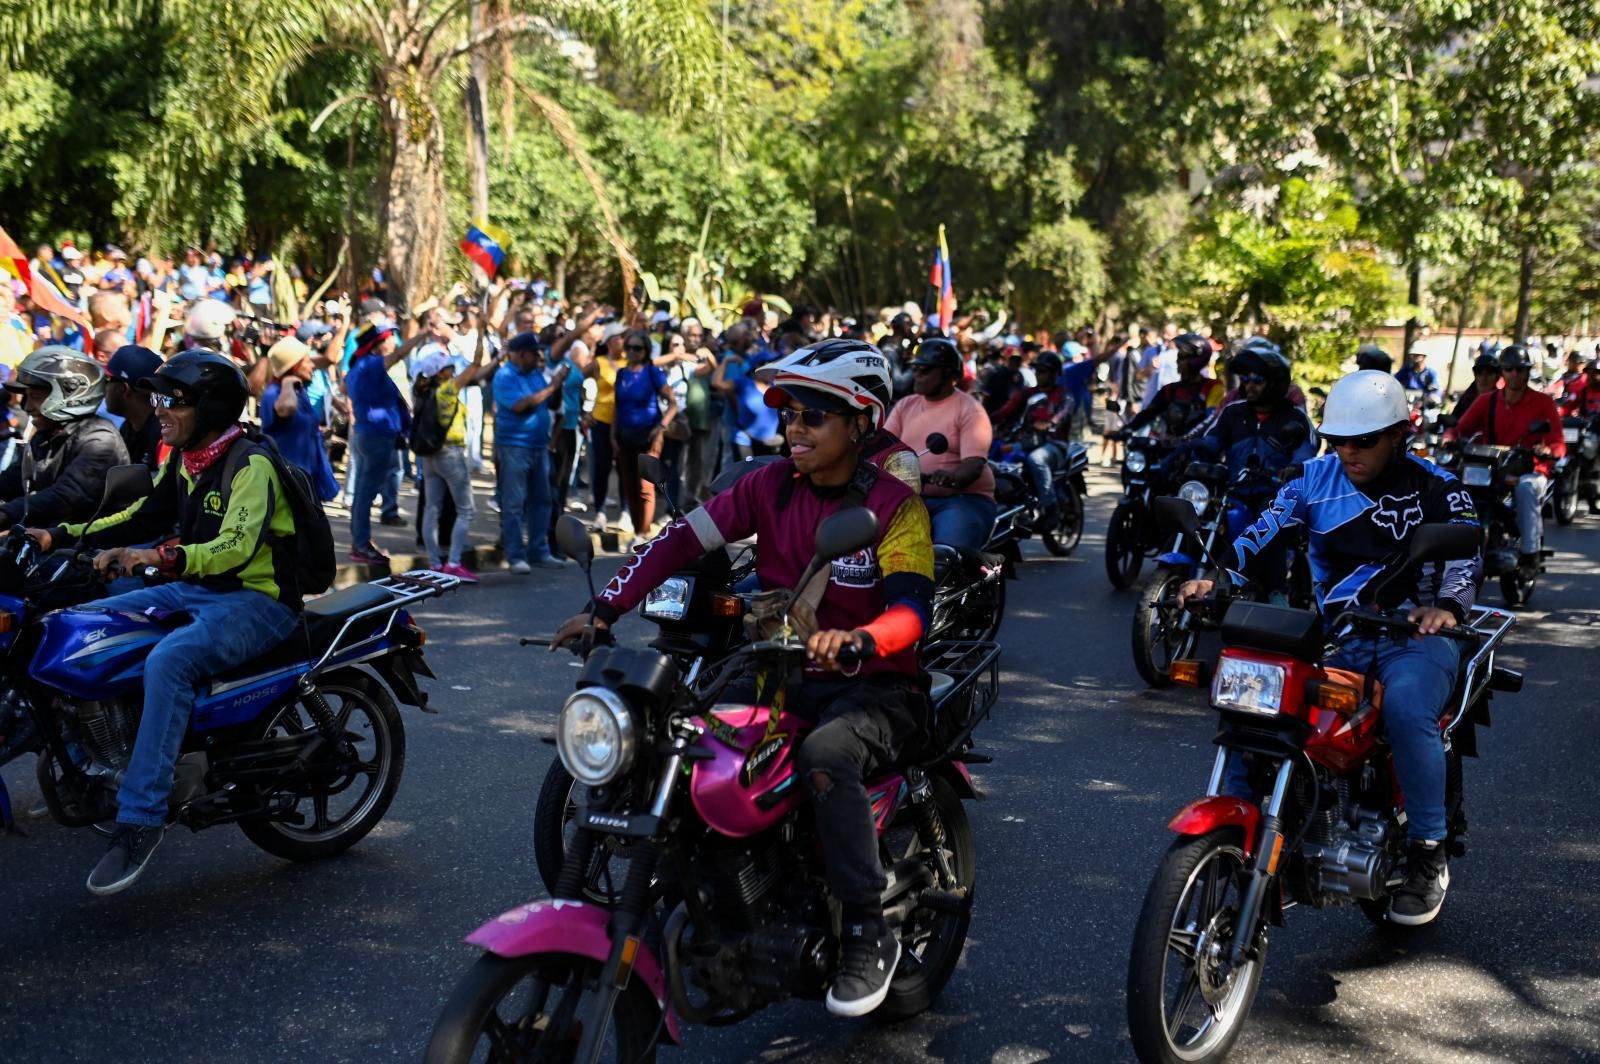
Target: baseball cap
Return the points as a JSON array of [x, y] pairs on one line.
[[71, 254], [616, 328], [209, 320], [431, 364], [131, 363], [310, 330], [286, 354], [373, 306]]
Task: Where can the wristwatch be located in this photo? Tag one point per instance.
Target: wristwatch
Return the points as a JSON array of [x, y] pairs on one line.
[[171, 558]]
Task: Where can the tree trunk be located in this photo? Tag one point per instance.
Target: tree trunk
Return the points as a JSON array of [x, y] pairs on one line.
[[413, 212], [558, 275], [1524, 293], [1461, 324], [1413, 297], [477, 97]]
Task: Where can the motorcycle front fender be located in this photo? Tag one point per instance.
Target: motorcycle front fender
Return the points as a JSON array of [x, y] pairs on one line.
[[1219, 811], [583, 930]]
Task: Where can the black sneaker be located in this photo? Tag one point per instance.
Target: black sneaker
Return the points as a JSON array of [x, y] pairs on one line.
[[871, 954], [1418, 900], [125, 861]]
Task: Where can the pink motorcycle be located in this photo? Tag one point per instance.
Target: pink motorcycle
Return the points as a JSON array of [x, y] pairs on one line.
[[694, 804]]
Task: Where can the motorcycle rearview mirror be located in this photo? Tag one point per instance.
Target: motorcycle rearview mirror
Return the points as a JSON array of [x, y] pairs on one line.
[[652, 471], [1176, 514], [125, 485], [574, 541], [1442, 543], [936, 443], [845, 532]]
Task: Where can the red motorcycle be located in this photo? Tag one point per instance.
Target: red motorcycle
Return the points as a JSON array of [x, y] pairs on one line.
[[1331, 830]]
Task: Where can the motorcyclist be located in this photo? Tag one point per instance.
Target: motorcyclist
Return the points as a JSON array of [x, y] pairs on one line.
[[1485, 381], [1361, 504], [1187, 401], [958, 485], [1264, 429], [1371, 356], [1505, 418], [72, 447], [1583, 397], [140, 431], [1417, 377], [1065, 390], [877, 601], [234, 584]]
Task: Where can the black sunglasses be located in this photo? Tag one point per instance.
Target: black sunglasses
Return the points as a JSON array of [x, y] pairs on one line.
[[1252, 378], [636, 347], [925, 369], [811, 419], [1516, 369], [162, 401], [1360, 443]]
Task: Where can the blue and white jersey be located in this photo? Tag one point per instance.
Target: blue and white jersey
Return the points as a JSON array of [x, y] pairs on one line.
[[1358, 533]]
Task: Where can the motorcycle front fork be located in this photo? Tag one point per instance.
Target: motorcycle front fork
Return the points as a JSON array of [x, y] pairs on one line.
[[1268, 854]]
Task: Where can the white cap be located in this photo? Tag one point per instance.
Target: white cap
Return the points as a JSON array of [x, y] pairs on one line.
[[431, 364], [1366, 401], [616, 328], [1417, 349], [209, 320]]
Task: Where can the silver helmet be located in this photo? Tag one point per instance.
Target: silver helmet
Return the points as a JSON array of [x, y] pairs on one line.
[[76, 381]]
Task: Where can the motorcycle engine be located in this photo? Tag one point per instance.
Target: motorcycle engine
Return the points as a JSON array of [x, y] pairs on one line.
[[1344, 850], [106, 729]]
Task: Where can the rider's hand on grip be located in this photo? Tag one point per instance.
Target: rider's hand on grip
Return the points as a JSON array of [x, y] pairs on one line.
[[836, 649]]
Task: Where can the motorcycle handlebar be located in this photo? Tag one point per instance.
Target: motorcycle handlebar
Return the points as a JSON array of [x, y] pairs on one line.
[[1400, 622]]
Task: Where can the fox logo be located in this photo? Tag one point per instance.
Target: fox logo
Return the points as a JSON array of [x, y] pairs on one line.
[[1399, 514]]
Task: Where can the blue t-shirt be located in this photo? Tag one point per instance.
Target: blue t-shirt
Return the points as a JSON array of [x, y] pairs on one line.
[[636, 391], [733, 371], [571, 394], [511, 429], [375, 403], [195, 282]]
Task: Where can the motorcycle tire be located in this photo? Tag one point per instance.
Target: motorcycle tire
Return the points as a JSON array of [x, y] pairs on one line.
[[1153, 651], [346, 690], [463, 1027], [924, 971], [1566, 507], [1516, 588], [1063, 539], [1124, 547], [552, 814], [1215, 858]]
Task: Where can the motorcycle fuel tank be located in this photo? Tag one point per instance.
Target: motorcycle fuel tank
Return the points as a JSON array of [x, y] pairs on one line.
[[93, 653]]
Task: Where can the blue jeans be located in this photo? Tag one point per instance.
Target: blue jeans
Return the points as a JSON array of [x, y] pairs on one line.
[[961, 520], [377, 462], [524, 478], [228, 629], [1044, 462], [446, 473], [1417, 676]]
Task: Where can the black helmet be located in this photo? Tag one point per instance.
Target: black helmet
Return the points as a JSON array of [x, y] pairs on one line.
[[1259, 355], [213, 385], [1483, 362], [1371, 356], [1515, 357], [1193, 346], [1049, 360], [938, 353]]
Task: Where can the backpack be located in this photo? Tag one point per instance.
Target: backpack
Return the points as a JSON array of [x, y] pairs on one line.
[[427, 433], [314, 555]]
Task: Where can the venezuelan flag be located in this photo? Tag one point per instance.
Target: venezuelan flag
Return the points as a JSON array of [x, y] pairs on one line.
[[943, 282], [486, 245], [45, 296]]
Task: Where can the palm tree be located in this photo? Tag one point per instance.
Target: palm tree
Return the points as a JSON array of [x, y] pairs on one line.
[[235, 56]]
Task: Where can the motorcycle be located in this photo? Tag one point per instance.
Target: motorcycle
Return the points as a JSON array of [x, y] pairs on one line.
[[1577, 474], [1162, 630], [1332, 828], [969, 586], [1020, 507], [1131, 537], [301, 747], [722, 908], [1490, 473]]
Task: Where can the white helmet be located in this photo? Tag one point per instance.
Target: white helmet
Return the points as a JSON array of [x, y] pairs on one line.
[[1364, 402], [76, 381], [852, 373], [209, 320]]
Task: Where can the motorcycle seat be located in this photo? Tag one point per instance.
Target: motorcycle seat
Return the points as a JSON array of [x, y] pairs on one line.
[[326, 615], [972, 562]]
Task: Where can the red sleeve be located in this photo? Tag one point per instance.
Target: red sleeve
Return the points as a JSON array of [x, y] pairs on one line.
[[1556, 438], [1013, 404], [1475, 419], [897, 628]]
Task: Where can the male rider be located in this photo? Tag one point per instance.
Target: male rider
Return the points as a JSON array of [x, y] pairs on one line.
[[1371, 356], [1417, 377], [1583, 398], [876, 601], [140, 431], [1187, 401], [1506, 418], [1361, 504], [232, 588], [958, 485], [72, 447], [1066, 391], [1485, 381]]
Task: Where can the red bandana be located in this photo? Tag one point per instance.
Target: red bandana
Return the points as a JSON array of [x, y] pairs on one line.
[[196, 462]]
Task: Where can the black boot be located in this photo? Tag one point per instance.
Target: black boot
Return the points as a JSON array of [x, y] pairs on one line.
[[1418, 900]]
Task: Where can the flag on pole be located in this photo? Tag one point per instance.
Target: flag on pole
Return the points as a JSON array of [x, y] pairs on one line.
[[45, 296], [485, 245], [942, 280]]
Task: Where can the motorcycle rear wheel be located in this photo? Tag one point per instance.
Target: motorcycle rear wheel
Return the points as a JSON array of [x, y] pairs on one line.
[[492, 1018], [350, 693], [1188, 916], [931, 942], [1566, 506], [1156, 645], [1124, 550], [1063, 539]]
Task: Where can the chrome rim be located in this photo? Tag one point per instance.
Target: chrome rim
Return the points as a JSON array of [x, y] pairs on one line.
[[341, 795], [1203, 998]]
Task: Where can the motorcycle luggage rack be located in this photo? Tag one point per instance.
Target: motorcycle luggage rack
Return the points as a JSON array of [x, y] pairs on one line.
[[972, 665], [404, 589], [1492, 624]]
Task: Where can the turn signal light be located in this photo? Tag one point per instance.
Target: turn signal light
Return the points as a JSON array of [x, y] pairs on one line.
[[412, 635], [1336, 698], [8, 622], [723, 605], [1186, 671]]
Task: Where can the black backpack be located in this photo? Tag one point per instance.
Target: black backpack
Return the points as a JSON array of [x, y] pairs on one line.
[[312, 542], [427, 433]]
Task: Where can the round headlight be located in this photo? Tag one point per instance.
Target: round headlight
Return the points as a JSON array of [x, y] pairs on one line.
[[595, 736], [1195, 494], [1136, 462]]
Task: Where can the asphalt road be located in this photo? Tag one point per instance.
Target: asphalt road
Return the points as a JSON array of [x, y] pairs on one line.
[[224, 953]]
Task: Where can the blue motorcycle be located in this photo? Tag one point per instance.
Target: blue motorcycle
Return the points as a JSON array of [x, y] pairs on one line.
[[303, 747]]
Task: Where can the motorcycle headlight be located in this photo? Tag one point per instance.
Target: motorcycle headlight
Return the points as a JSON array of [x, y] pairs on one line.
[[669, 601], [1136, 462], [1477, 476], [1248, 686], [595, 736], [1195, 494], [1571, 433]]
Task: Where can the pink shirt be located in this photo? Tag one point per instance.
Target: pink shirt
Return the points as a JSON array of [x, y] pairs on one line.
[[964, 423]]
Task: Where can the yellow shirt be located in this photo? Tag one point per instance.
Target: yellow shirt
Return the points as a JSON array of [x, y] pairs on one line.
[[605, 397], [452, 414]]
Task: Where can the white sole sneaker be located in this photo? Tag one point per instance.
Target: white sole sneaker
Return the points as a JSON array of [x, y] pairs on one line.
[[1418, 919], [866, 1004]]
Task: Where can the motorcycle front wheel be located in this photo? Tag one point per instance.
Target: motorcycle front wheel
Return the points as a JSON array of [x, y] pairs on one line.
[[1063, 539], [552, 838], [1157, 639], [523, 1010], [1566, 507], [1186, 1003], [1124, 548], [1516, 587]]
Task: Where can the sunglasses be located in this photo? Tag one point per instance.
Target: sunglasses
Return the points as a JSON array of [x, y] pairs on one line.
[[1359, 443], [924, 369], [635, 347], [811, 419], [1516, 369], [169, 402], [1252, 378]]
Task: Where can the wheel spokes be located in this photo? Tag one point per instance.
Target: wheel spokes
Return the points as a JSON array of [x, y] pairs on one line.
[[1185, 942], [1191, 987]]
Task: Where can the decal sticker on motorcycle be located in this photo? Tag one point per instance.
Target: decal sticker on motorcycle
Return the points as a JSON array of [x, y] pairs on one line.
[[856, 570], [1399, 514], [763, 753]]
